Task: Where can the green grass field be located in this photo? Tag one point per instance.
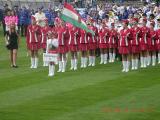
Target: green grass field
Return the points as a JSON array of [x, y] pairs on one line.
[[99, 93]]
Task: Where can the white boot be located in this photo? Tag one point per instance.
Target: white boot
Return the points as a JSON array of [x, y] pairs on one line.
[[136, 64], [60, 66], [75, 64], [153, 60], [32, 63], [90, 60], [82, 62], [49, 73], [72, 64], [51, 70], [133, 64], [123, 63], [93, 60], [36, 63], [102, 60], [110, 57], [142, 62], [145, 62], [114, 57], [158, 57], [127, 66], [64, 66], [105, 58], [85, 62], [148, 60]]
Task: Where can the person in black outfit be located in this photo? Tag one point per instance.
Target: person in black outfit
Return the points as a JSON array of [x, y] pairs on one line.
[[12, 40]]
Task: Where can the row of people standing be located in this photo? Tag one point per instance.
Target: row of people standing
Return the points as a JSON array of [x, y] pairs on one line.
[[23, 17], [133, 43]]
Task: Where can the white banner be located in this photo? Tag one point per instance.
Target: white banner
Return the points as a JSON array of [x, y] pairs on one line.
[[50, 57]]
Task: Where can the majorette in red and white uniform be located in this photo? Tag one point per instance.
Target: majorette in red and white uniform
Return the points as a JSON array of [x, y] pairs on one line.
[[73, 41], [103, 43], [144, 37], [112, 42], [113, 35], [33, 36], [93, 40], [134, 42], [83, 43], [124, 40], [124, 45], [73, 45], [103, 37], [62, 39], [33, 41], [152, 44], [44, 32], [158, 39]]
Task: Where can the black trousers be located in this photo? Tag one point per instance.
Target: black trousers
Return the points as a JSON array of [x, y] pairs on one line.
[[23, 28], [4, 28]]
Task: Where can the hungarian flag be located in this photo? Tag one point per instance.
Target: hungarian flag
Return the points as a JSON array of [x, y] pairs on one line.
[[69, 14]]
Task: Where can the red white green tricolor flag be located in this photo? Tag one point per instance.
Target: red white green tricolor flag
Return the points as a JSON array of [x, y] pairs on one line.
[[70, 15]]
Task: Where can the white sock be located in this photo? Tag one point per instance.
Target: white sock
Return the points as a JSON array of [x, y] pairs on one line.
[[105, 58], [114, 56], [148, 60], [72, 64], [110, 57], [85, 62], [60, 66], [49, 70], [53, 69], [153, 60], [123, 63], [90, 60], [133, 64], [145, 61], [75, 64], [36, 63], [32, 62], [158, 57], [142, 61], [93, 60], [64, 66], [102, 60], [82, 62], [136, 64], [127, 65]]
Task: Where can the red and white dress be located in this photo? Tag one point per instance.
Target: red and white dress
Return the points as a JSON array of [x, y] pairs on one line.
[[92, 39], [152, 40], [83, 42], [144, 38], [113, 36], [73, 40], [134, 42], [33, 37], [103, 38], [158, 40], [124, 41], [44, 32], [62, 39]]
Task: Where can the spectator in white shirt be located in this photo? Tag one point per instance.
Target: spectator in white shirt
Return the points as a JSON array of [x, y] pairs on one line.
[[40, 16]]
